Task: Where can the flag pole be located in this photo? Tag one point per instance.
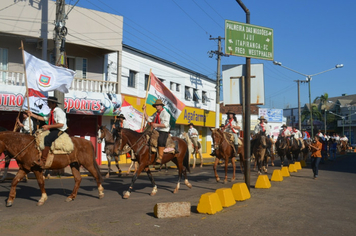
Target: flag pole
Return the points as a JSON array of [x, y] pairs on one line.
[[144, 110], [28, 99]]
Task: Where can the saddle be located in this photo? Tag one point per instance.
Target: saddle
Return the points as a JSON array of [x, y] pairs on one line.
[[152, 139], [62, 145], [231, 138]]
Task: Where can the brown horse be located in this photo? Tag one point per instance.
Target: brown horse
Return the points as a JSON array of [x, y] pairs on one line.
[[224, 150], [105, 135], [258, 148], [145, 157], [342, 146], [306, 150], [192, 150], [22, 147]]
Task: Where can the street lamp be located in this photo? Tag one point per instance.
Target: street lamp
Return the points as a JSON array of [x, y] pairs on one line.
[[308, 79]]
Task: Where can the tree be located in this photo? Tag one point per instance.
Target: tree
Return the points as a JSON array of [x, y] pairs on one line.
[[316, 113], [323, 100]]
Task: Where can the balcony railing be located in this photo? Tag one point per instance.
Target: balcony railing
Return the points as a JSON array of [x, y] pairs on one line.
[[78, 84]]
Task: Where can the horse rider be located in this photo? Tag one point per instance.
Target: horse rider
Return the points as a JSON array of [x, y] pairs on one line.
[[222, 128], [262, 126], [160, 122], [284, 132], [25, 125], [344, 138], [232, 127], [119, 123], [193, 135], [57, 124], [306, 135], [298, 136], [320, 134]]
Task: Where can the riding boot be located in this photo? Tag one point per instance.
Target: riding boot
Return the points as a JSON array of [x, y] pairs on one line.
[[236, 150], [160, 155], [42, 162]]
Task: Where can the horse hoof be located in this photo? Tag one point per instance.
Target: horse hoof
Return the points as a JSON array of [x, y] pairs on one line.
[[40, 203], [201, 166], [9, 204], [225, 181], [217, 179], [126, 195], [153, 194], [107, 175], [272, 164], [175, 191], [69, 199], [232, 179], [101, 195]]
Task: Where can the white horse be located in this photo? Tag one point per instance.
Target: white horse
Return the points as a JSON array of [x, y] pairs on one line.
[[191, 149]]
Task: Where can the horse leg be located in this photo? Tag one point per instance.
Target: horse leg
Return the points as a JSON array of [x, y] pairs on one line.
[[109, 165], [95, 172], [7, 163], [134, 178], [77, 179], [117, 165], [149, 174], [40, 181], [215, 171], [233, 169], [226, 166], [201, 158], [20, 174], [194, 159]]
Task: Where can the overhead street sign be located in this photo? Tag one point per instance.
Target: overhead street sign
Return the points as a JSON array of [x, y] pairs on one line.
[[246, 40]]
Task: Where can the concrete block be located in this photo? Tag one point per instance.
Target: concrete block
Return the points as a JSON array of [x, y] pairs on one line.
[[262, 182], [172, 209], [226, 197], [240, 192], [303, 164], [298, 166], [209, 203], [292, 168], [277, 176], [285, 171]]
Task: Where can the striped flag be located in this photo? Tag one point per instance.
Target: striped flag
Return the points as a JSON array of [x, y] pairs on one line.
[[132, 116], [159, 91]]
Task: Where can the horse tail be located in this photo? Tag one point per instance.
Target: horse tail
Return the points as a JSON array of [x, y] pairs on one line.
[[96, 166], [186, 163]]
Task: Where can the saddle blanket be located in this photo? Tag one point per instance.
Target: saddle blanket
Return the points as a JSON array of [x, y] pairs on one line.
[[62, 145]]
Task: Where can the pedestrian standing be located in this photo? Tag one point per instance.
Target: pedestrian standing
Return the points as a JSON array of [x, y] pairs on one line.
[[316, 148]]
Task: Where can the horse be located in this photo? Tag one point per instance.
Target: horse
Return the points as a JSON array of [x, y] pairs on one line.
[[105, 134], [294, 148], [306, 150], [258, 148], [192, 150], [225, 150], [145, 157], [342, 146], [22, 147], [282, 146]]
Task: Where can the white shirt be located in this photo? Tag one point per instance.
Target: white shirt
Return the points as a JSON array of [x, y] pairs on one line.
[[259, 128], [59, 117], [26, 126], [297, 134], [193, 133], [344, 139], [320, 134], [229, 129], [164, 117], [285, 133], [337, 137]]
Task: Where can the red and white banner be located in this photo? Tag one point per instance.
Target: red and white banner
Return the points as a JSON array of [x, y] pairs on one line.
[[132, 115]]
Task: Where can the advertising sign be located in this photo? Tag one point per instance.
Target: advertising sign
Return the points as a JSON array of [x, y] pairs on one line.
[[271, 115]]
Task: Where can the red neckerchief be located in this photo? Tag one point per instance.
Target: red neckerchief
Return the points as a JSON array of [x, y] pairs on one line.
[[230, 124], [122, 124], [263, 126], [51, 118], [157, 118]]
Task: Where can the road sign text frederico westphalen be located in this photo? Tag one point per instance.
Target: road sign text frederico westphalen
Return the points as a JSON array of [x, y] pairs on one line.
[[247, 40]]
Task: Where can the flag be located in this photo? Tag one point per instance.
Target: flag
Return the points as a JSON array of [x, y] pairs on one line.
[[38, 103], [132, 116], [159, 91], [45, 77]]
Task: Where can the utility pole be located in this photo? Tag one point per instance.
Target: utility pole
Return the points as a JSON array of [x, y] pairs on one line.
[[299, 110], [44, 28], [219, 53], [60, 31]]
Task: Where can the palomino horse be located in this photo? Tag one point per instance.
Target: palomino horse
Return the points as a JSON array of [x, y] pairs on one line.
[[224, 150], [139, 144], [105, 134], [294, 148], [22, 147], [191, 149], [283, 150], [258, 148]]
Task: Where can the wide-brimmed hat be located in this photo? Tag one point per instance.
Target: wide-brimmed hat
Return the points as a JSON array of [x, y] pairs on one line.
[[284, 126], [121, 116], [190, 124], [262, 118], [222, 125], [53, 99], [230, 112], [158, 102], [304, 129]]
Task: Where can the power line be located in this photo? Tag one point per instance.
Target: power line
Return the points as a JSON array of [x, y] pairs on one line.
[[208, 15]]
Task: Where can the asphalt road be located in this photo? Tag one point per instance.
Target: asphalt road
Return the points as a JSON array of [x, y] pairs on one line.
[[299, 205]]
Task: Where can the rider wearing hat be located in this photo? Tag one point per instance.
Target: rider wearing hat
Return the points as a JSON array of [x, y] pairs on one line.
[[57, 124], [232, 127], [298, 136], [305, 133], [284, 132], [262, 126], [119, 123], [159, 121], [193, 134]]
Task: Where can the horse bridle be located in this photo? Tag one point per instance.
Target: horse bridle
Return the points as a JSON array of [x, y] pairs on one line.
[[132, 145]]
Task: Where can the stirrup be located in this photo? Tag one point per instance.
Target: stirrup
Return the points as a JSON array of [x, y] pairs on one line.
[[158, 160], [39, 163]]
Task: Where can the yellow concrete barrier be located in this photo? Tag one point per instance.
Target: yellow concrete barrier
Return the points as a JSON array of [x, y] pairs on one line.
[[277, 176], [262, 182], [298, 166], [292, 168], [240, 192], [303, 164], [226, 197], [285, 171], [209, 203]]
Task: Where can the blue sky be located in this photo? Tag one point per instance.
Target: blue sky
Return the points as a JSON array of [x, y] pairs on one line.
[[310, 36]]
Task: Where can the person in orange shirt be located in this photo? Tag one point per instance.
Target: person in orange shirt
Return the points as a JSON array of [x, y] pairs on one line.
[[316, 148]]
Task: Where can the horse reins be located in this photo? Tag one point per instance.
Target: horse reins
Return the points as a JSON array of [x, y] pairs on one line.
[[23, 149]]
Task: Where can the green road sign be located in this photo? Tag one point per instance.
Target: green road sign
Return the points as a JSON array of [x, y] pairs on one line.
[[246, 40]]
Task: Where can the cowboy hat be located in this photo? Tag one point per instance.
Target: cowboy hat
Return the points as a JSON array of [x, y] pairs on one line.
[[262, 118], [121, 116], [284, 126], [158, 102], [190, 124], [230, 112], [222, 125], [53, 99]]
